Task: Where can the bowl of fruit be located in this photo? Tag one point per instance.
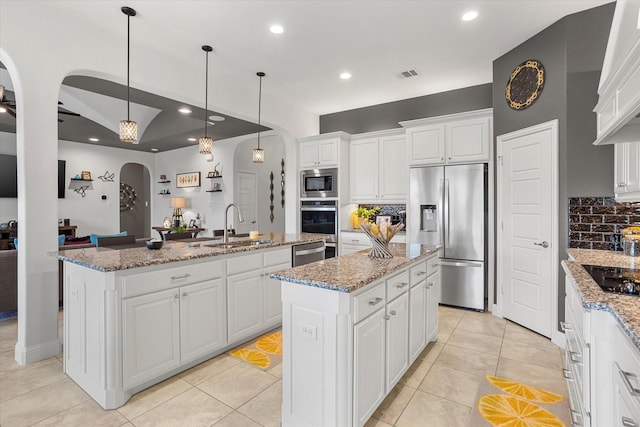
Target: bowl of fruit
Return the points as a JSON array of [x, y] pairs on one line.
[[380, 236]]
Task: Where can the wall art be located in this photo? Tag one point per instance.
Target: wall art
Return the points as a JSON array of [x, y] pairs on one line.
[[190, 179]]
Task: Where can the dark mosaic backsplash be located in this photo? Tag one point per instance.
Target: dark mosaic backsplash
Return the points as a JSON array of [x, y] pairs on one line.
[[596, 222]]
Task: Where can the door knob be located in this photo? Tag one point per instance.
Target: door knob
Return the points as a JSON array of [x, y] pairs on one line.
[[544, 244]]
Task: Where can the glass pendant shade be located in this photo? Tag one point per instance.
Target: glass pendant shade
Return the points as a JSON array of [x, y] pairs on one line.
[[258, 155], [128, 131], [205, 145]]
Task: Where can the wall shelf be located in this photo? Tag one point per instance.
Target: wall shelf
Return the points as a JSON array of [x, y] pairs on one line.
[[214, 191], [163, 182], [213, 177], [164, 194]]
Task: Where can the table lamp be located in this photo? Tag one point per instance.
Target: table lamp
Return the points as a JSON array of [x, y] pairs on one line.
[[177, 203]]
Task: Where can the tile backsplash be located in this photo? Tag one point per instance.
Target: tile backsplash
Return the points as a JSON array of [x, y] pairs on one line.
[[595, 221]]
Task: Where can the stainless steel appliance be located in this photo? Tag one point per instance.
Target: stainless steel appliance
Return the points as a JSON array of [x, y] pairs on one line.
[[448, 207], [306, 253], [616, 280], [321, 217], [319, 183]]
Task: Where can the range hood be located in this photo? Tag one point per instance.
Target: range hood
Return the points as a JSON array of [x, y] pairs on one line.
[[618, 108]]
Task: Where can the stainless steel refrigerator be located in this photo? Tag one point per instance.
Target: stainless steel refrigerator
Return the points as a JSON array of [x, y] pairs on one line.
[[448, 206]]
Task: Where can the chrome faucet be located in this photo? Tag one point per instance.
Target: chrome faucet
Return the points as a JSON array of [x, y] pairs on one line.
[[225, 235]]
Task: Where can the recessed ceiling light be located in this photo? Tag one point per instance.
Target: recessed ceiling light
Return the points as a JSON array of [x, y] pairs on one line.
[[94, 139], [154, 150], [217, 118], [470, 16], [184, 110], [191, 139], [345, 76], [277, 29], [3, 110]]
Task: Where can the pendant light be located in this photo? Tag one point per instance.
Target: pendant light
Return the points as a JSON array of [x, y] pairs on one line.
[[128, 128], [205, 143], [258, 153]]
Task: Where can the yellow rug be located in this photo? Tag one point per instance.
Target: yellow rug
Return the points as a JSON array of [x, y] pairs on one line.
[[264, 352], [515, 404]]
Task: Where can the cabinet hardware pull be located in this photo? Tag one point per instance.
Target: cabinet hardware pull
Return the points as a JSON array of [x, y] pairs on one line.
[[575, 357], [435, 265], [184, 294], [182, 276], [387, 317], [355, 240], [576, 418], [375, 301], [176, 296], [393, 312], [628, 422], [567, 375], [421, 273], [626, 378], [401, 285], [566, 326], [429, 285], [622, 184]]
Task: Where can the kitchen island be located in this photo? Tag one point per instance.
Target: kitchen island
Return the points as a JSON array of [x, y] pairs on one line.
[[134, 316], [351, 327], [602, 332]]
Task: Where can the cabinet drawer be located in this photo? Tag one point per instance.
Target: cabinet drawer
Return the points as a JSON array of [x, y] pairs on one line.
[[368, 302], [418, 273], [397, 285], [355, 239], [280, 256], [626, 356], [166, 278], [243, 263], [433, 265]]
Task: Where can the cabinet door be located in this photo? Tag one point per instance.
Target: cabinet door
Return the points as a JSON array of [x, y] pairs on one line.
[[626, 408], [397, 339], [621, 153], [393, 169], [468, 141], [426, 145], [368, 366], [202, 319], [151, 336], [433, 297], [328, 152], [417, 320], [244, 304], [363, 173], [308, 154], [272, 295]]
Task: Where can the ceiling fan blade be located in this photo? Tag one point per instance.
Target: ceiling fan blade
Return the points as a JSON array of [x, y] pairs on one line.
[[69, 113], [9, 109]]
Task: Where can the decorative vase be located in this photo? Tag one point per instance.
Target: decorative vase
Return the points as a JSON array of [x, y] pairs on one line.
[[355, 220], [380, 237]]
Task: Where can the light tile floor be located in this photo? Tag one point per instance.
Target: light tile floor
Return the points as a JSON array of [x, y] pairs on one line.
[[438, 390]]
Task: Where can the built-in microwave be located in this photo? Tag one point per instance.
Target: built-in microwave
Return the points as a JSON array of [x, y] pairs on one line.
[[319, 183]]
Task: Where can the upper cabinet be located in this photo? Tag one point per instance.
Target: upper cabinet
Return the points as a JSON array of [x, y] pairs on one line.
[[451, 139], [627, 172], [378, 170], [619, 90], [321, 150]]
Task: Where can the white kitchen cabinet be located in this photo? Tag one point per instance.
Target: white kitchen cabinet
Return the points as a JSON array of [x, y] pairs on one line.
[[378, 169], [272, 295], [244, 304], [354, 241], [433, 298], [369, 365], [417, 320], [323, 150], [147, 355], [627, 171], [397, 343], [452, 139]]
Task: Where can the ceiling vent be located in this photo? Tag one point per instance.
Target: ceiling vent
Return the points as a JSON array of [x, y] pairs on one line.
[[408, 73]]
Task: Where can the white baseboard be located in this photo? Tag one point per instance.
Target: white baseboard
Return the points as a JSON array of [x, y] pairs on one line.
[[36, 353], [558, 339]]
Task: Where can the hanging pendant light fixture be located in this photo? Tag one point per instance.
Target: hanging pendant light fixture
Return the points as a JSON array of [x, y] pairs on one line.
[[205, 143], [258, 153], [128, 128]]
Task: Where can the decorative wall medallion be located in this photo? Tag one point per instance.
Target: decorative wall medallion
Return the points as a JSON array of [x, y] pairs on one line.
[[127, 197], [525, 84]]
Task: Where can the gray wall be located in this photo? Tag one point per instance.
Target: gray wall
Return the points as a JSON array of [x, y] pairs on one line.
[[572, 51], [387, 116]]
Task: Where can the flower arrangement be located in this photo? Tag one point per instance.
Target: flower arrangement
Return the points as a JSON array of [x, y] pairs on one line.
[[363, 214], [380, 236]]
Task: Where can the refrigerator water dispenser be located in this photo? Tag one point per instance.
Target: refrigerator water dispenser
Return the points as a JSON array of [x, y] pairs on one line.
[[429, 218]]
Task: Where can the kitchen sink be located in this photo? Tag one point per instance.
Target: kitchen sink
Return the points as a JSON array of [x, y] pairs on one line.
[[240, 244]]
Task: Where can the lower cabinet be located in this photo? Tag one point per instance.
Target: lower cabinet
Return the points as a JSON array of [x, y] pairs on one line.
[[433, 298], [418, 320], [397, 343], [244, 304], [187, 323]]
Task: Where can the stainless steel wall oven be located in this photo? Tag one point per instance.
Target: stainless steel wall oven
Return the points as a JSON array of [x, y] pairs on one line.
[[321, 217]]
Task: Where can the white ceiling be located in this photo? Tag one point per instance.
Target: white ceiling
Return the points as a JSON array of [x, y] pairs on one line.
[[374, 40]]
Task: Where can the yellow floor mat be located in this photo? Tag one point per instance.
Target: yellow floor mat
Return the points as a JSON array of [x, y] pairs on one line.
[[264, 352]]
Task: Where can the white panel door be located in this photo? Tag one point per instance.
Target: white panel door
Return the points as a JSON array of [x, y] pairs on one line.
[[527, 237], [247, 199]]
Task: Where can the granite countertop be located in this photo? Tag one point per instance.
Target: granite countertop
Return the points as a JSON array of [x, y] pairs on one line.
[[348, 273], [624, 308], [113, 259]]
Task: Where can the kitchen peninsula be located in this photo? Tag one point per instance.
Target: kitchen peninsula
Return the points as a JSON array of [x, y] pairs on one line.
[[133, 317], [352, 326]]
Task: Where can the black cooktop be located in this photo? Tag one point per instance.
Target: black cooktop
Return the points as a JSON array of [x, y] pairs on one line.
[[624, 281]]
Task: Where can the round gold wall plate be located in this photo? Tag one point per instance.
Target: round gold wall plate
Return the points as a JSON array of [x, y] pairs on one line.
[[525, 84]]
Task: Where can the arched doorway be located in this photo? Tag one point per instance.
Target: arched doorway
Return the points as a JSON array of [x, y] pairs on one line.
[[135, 196]]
